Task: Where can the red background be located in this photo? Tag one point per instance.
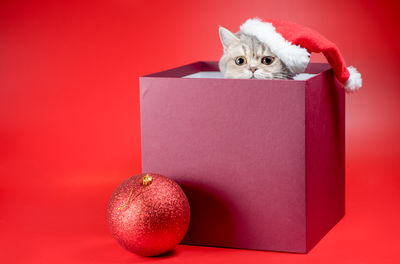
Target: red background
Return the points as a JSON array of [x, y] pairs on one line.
[[69, 120]]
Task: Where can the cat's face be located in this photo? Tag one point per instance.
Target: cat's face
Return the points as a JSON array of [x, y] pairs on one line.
[[245, 57]]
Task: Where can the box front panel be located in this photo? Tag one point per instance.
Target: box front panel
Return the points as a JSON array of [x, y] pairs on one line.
[[237, 148]]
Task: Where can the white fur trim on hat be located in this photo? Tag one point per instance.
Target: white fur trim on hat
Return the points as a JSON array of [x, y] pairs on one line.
[[354, 82], [295, 57]]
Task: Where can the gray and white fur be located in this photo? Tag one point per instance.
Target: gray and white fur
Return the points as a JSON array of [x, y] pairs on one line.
[[240, 47]]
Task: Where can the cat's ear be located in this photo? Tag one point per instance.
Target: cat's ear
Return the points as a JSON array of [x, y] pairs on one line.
[[227, 37]]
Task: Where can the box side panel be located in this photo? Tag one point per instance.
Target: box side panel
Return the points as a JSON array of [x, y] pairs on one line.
[[317, 67], [325, 155], [237, 148]]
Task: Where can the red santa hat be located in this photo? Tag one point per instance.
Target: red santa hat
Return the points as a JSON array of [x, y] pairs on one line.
[[293, 43]]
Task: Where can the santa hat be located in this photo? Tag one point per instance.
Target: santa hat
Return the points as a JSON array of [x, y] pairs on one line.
[[293, 43]]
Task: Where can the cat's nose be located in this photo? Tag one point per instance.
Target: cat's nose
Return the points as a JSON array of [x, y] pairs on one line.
[[253, 69]]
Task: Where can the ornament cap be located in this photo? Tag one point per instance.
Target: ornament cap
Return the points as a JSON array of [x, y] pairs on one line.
[[147, 179]]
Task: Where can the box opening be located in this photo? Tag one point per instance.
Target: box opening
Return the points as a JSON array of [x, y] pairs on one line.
[[210, 70], [219, 75]]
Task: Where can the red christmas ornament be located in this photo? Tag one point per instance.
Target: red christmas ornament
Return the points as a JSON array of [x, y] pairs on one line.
[[148, 214]]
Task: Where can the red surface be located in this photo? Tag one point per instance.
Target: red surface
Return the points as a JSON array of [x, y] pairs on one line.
[[69, 120]]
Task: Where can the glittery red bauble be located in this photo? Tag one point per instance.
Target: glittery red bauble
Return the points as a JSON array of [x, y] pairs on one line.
[[148, 214]]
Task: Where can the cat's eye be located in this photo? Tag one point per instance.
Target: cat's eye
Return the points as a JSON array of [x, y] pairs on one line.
[[267, 60], [240, 60]]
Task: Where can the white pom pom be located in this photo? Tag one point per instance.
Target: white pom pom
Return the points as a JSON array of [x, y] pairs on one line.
[[354, 82]]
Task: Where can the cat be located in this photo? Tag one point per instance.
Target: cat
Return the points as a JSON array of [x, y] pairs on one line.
[[245, 57]]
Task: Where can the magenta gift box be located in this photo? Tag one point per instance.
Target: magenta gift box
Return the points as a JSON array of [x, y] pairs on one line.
[[262, 162]]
